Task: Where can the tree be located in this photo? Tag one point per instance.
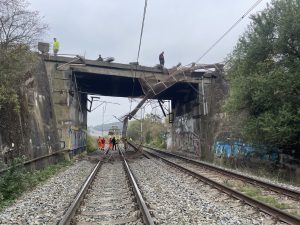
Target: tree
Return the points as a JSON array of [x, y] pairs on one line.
[[18, 25], [154, 131], [263, 72], [20, 28]]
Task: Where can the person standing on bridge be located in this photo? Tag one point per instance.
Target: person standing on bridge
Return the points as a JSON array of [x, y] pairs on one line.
[[55, 46], [162, 59]]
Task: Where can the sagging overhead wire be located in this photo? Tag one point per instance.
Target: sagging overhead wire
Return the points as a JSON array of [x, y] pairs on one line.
[[234, 25], [139, 49], [219, 39], [142, 30], [193, 64]]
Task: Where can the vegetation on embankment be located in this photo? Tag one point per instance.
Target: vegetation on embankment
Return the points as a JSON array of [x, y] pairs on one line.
[[91, 143], [263, 72], [153, 131], [20, 28], [16, 180]]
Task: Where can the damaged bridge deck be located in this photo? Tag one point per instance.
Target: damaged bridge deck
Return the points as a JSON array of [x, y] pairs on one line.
[[122, 80]]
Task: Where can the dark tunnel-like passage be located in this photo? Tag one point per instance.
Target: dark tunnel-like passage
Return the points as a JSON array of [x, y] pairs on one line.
[[119, 86]]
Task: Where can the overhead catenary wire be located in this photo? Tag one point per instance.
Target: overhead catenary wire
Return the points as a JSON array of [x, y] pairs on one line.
[[221, 38], [142, 30], [104, 102], [193, 64], [139, 49], [233, 26]]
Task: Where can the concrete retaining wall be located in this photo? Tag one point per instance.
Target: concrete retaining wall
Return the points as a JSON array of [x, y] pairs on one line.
[[32, 133]]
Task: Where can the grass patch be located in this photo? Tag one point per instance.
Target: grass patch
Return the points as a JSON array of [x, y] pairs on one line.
[[257, 194], [16, 180], [272, 201], [228, 184], [250, 191]]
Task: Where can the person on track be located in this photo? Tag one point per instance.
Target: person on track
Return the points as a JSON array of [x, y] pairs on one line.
[[99, 143], [114, 143], [103, 143]]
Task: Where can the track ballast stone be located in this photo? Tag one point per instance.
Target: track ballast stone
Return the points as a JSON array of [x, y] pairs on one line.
[[176, 198], [46, 203], [110, 200]]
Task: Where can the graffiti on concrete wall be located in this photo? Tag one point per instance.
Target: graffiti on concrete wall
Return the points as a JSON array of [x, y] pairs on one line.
[[75, 138], [184, 137], [237, 148]]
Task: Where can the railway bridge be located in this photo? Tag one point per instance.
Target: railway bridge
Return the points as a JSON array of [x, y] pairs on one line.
[[56, 101]]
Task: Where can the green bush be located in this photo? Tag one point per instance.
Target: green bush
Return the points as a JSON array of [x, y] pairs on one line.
[[263, 73], [13, 181], [16, 180], [90, 144]]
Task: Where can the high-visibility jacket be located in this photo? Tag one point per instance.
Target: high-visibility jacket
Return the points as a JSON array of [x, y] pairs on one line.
[[56, 45]]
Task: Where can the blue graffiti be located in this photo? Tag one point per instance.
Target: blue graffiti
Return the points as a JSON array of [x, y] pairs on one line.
[[238, 148]]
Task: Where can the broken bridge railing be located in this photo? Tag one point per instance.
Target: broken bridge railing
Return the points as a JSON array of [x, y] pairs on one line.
[[177, 74]]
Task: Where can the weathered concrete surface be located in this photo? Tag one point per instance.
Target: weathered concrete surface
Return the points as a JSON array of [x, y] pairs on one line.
[[193, 131], [32, 133], [69, 107], [213, 124]]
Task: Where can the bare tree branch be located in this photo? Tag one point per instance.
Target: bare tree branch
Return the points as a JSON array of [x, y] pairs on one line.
[[19, 25]]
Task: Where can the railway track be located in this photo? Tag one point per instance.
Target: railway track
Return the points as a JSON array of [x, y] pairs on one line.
[[110, 196], [215, 182], [232, 175]]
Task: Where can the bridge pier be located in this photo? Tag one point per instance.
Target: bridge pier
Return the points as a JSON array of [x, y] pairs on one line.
[[198, 118], [69, 107]]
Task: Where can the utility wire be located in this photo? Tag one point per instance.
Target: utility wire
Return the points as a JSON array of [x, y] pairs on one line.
[[104, 102], [142, 30], [218, 40], [211, 47], [139, 49], [236, 23]]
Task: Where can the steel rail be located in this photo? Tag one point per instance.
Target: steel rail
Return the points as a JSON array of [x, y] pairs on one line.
[[147, 218], [276, 213], [288, 192], [67, 218]]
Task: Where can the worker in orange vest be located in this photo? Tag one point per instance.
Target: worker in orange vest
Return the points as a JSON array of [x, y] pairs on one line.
[[103, 143], [99, 142]]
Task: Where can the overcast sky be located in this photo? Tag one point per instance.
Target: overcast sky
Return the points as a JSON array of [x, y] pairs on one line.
[[184, 30]]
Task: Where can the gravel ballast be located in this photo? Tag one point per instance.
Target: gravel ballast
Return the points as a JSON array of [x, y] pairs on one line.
[[46, 203], [176, 198], [244, 172]]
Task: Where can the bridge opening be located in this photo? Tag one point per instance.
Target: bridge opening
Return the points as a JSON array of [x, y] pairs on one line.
[[77, 82], [106, 115]]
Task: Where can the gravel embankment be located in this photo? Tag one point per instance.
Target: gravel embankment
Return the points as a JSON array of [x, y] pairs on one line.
[[261, 178], [48, 201], [265, 179], [176, 198]]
